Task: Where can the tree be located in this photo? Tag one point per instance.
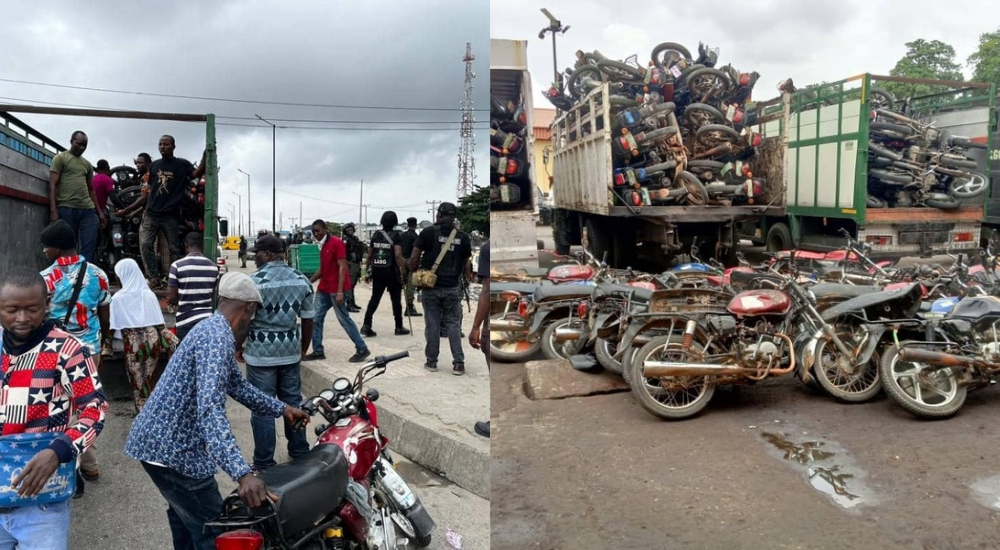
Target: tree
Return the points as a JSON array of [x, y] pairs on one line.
[[924, 59], [986, 60], [474, 211]]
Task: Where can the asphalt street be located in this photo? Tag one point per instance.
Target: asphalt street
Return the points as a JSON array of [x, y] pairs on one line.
[[124, 511]]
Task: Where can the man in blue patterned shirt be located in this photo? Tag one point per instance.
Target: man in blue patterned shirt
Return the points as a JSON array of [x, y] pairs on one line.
[[182, 435], [274, 347]]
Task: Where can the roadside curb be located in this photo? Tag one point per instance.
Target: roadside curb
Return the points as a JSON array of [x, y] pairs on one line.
[[427, 443]]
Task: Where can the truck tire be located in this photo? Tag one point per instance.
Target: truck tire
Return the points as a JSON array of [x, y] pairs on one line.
[[599, 239], [779, 237], [560, 232]]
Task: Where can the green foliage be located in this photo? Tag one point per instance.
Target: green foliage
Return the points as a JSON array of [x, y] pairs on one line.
[[986, 60], [474, 211], [924, 59]]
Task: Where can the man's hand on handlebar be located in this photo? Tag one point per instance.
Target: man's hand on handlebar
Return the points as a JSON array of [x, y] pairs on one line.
[[296, 417]]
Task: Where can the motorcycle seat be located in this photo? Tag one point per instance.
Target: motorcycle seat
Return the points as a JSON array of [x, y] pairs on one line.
[[523, 288], [309, 487], [638, 294], [823, 290], [548, 293]]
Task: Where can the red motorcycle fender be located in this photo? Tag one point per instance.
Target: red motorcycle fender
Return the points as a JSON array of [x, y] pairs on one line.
[[356, 525]]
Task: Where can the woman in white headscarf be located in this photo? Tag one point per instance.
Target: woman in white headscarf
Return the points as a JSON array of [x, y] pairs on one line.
[[135, 311]]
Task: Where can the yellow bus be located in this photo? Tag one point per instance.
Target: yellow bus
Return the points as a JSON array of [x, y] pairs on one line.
[[231, 243]]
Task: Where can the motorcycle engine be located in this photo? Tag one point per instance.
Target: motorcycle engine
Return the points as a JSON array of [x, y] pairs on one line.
[[990, 350], [765, 351]]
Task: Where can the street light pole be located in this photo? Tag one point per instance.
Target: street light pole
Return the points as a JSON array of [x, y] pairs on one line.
[[274, 192], [555, 26], [249, 222], [240, 211]]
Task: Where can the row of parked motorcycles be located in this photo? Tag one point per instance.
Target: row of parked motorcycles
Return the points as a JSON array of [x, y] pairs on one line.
[[839, 322], [911, 163], [681, 132]]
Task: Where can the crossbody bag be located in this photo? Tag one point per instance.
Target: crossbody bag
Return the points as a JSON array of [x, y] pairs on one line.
[[427, 278]]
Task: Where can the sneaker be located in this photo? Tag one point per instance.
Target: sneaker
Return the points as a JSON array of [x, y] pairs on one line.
[[367, 332], [412, 312], [400, 331], [482, 428], [315, 356], [354, 309], [433, 367], [360, 356], [459, 369]]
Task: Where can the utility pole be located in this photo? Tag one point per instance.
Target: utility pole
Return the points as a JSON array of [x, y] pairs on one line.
[[240, 228], [433, 209], [555, 26], [365, 224], [361, 201], [249, 222], [274, 191], [301, 219]]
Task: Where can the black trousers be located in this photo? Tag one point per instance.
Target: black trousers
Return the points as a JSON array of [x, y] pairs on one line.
[[382, 281]]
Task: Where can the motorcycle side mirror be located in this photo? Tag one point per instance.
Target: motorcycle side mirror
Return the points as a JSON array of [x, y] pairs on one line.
[[372, 394]]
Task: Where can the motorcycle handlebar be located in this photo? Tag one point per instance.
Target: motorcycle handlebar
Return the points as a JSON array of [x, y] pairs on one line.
[[393, 357]]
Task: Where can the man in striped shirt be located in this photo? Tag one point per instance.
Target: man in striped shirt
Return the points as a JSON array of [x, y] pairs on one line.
[[192, 285]]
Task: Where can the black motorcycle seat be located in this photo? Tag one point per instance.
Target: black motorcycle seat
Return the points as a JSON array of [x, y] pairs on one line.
[[840, 289], [547, 293], [638, 294], [309, 487], [523, 288]]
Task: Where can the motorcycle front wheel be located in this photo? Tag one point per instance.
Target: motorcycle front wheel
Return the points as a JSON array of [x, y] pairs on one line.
[[671, 398], [605, 351], [858, 386], [512, 347], [923, 392]]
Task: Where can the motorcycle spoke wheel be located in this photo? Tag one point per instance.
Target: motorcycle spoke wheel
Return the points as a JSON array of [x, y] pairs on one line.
[[920, 389], [511, 347], [671, 398], [857, 384], [554, 349]]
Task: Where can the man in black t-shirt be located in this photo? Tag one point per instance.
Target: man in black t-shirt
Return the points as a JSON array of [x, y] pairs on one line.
[[442, 303], [385, 269], [479, 338], [409, 238], [168, 178], [355, 252]]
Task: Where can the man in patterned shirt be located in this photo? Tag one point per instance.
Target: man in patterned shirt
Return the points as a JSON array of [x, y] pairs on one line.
[[182, 435], [89, 317], [274, 347], [48, 377]]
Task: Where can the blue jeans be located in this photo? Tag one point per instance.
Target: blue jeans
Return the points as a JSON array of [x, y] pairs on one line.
[[325, 302], [190, 504], [284, 383], [42, 527], [443, 308], [85, 225]]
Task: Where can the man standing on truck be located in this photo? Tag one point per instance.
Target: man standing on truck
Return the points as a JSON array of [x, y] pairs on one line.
[[355, 251], [168, 178], [409, 238], [103, 184], [80, 302], [72, 197], [192, 285], [275, 346], [442, 303]]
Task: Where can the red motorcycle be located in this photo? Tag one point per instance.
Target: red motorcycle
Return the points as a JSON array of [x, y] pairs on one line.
[[344, 494]]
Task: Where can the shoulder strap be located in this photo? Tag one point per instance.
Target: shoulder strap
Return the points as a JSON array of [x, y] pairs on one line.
[[444, 249], [77, 286]]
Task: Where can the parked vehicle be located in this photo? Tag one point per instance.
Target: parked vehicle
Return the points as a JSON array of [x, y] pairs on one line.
[[345, 493]]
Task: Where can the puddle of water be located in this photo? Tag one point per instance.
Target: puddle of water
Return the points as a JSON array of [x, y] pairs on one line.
[[827, 467], [987, 491]]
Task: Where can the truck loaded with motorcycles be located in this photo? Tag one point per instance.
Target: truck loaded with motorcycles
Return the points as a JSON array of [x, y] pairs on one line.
[[647, 158]]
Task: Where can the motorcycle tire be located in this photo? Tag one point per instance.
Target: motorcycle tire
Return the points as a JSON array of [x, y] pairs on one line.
[[879, 98], [854, 388], [943, 202], [963, 164], [732, 134], [891, 178], [616, 70], [881, 151], [967, 143], [622, 101], [575, 82], [875, 202], [124, 176], [605, 350], [641, 388], [627, 358], [702, 110], [521, 352], [917, 407], [668, 47], [890, 129], [709, 71], [705, 165], [696, 193], [967, 188], [559, 350]]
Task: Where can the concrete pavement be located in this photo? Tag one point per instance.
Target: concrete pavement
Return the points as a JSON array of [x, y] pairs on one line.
[[428, 416]]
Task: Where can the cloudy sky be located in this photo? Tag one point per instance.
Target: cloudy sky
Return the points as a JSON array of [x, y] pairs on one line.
[[403, 56], [808, 40]]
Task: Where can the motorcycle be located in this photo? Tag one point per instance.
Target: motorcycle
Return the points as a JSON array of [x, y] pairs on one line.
[[344, 494]]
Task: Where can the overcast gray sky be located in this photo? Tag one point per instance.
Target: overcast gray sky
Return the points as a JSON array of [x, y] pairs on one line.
[[808, 40], [390, 53]]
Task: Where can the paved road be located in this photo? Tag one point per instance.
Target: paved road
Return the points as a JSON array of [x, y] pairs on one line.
[[123, 510]]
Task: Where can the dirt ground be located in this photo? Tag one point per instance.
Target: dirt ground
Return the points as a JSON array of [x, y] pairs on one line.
[[773, 466]]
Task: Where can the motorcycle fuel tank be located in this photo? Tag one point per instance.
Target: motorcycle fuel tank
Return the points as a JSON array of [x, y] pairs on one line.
[[571, 273], [977, 308], [759, 302], [356, 437]]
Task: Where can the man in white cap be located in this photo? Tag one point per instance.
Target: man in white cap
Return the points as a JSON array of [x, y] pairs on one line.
[[182, 435]]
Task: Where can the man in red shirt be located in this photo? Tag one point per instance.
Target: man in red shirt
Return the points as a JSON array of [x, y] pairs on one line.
[[333, 281], [103, 184]]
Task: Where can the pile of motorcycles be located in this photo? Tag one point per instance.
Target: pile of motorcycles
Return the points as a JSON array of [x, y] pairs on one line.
[[911, 163], [837, 321], [510, 185], [681, 134]]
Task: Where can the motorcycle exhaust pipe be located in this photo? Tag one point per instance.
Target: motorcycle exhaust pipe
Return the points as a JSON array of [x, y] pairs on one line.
[[663, 369], [503, 325], [566, 334], [936, 358]]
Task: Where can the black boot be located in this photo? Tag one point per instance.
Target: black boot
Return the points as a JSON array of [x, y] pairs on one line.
[[411, 311], [366, 331], [400, 331]]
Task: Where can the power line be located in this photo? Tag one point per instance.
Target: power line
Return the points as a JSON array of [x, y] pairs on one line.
[[348, 128], [351, 204], [229, 100]]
